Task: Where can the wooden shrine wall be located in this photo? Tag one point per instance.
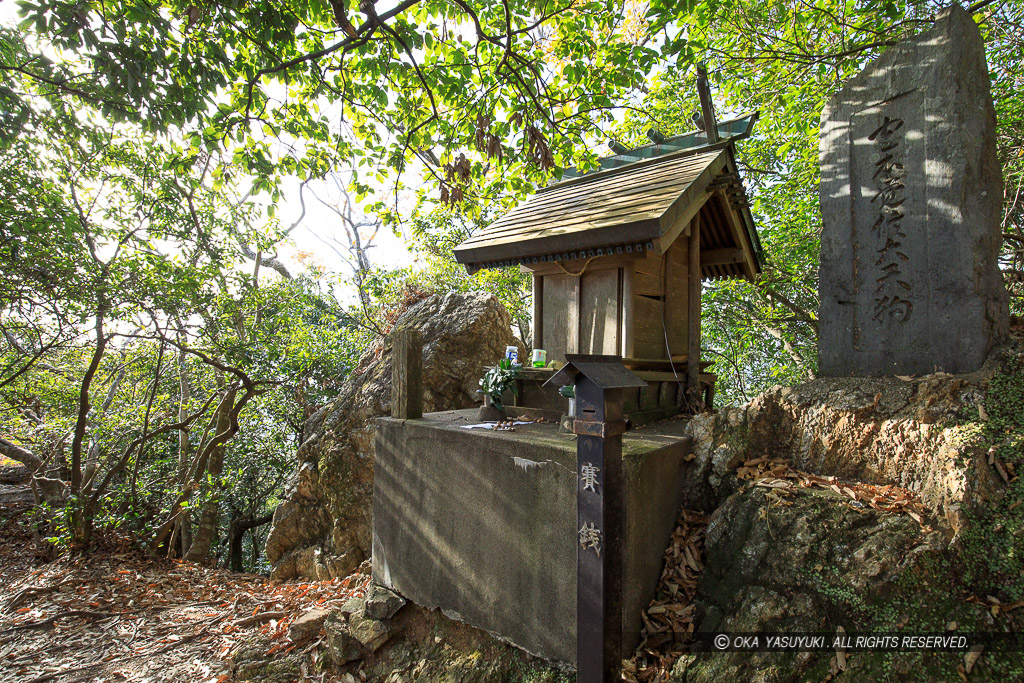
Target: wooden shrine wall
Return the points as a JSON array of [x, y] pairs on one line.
[[579, 314], [659, 304], [621, 305], [617, 306]]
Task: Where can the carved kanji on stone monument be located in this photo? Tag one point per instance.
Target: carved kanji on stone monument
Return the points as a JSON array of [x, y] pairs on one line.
[[911, 197]]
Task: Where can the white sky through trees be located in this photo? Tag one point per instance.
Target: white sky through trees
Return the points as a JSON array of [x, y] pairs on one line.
[[303, 248]]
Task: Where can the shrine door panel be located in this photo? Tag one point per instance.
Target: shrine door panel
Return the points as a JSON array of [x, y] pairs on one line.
[[560, 315], [600, 311]]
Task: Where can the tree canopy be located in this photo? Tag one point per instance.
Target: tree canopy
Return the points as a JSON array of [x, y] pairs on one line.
[[146, 318]]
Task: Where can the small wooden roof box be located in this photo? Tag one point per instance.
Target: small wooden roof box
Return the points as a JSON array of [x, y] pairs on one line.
[[610, 273], [604, 371], [641, 200]]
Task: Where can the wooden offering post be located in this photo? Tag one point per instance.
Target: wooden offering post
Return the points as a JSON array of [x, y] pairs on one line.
[[406, 374], [599, 383]]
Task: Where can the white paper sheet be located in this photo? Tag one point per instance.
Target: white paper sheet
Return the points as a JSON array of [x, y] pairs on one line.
[[488, 425]]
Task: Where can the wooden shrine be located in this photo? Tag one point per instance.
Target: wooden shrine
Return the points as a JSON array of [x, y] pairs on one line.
[[618, 254], [488, 524]]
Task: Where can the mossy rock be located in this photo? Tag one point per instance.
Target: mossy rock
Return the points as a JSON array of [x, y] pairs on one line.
[[813, 563]]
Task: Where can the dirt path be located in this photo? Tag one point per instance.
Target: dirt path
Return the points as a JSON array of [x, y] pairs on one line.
[[118, 615]]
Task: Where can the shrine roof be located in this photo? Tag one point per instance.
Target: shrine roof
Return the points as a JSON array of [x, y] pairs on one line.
[[636, 201], [604, 371]]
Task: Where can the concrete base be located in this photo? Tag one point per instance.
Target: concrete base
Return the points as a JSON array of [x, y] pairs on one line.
[[482, 524]]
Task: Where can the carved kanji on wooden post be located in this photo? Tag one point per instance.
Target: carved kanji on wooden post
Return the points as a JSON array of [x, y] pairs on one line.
[[599, 382]]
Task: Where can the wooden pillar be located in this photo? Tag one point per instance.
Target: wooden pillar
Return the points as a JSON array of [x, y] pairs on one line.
[[600, 511], [577, 346], [693, 314], [406, 374], [628, 307], [538, 311]]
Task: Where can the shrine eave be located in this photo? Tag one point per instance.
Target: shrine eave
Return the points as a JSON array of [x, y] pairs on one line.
[[632, 209]]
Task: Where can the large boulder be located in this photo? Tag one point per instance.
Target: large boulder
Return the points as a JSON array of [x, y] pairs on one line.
[[13, 474], [323, 528], [812, 563], [14, 483]]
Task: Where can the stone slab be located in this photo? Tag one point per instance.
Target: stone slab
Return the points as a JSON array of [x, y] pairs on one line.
[[307, 625], [911, 194], [382, 603], [482, 524]]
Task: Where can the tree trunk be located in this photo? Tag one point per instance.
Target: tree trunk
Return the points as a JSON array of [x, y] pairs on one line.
[[183, 527], [200, 461], [53, 491], [236, 535], [210, 514], [93, 454], [788, 347], [81, 525]]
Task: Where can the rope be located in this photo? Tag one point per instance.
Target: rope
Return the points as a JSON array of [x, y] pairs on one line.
[[582, 270]]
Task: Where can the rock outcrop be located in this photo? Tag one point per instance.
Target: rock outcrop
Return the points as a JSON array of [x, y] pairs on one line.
[[797, 555], [322, 530], [811, 563], [877, 431]]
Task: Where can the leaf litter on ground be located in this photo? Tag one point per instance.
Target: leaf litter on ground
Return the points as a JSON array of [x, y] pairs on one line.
[[777, 474], [668, 620], [127, 616]]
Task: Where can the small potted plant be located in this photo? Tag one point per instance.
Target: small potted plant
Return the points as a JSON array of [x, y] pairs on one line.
[[569, 392], [493, 384]]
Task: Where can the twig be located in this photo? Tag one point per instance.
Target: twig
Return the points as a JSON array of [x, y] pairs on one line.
[[72, 613], [258, 619], [190, 638], [31, 592], [973, 9], [65, 672]]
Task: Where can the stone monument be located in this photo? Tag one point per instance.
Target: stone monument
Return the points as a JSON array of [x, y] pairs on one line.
[[911, 195]]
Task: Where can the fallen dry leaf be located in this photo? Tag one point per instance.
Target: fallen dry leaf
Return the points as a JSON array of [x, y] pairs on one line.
[[131, 616], [1002, 471], [840, 652], [971, 658], [669, 618]]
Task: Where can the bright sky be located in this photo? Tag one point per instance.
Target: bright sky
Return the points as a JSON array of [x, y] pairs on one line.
[[319, 223]]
